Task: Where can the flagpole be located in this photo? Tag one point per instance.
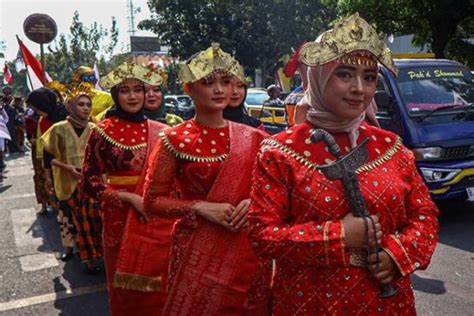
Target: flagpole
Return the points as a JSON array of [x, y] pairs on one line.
[[27, 73], [42, 63]]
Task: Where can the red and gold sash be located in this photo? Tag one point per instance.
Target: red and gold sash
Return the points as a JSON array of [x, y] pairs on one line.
[[143, 256], [218, 265]]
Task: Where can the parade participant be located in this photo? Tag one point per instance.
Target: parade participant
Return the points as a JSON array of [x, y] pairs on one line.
[[64, 144], [303, 220], [118, 148], [101, 100], [155, 109], [45, 103], [235, 111], [31, 123], [213, 270], [292, 66], [8, 100], [19, 123], [4, 135]]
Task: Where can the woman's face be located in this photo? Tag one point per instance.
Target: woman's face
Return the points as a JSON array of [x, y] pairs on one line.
[[238, 93], [84, 107], [131, 96], [212, 93], [349, 90], [153, 97]]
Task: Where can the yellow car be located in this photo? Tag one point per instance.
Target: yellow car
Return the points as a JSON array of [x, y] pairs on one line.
[[269, 115]]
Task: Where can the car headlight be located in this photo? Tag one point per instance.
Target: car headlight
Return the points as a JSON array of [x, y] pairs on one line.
[[438, 175], [428, 153]]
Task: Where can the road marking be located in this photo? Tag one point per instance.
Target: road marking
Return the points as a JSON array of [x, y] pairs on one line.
[[28, 238], [17, 196], [51, 297]]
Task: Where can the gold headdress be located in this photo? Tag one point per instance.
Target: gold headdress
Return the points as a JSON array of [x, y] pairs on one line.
[[160, 71], [207, 61], [81, 70], [350, 35], [73, 90], [58, 87], [130, 71]]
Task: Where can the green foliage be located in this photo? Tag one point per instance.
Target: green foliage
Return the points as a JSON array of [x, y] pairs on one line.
[[442, 24], [80, 47], [256, 32], [19, 80]]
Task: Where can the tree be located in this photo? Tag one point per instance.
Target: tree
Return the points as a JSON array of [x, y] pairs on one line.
[[81, 47], [256, 32], [432, 22]]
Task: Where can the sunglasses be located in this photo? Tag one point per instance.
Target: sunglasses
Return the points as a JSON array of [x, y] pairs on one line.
[[88, 78]]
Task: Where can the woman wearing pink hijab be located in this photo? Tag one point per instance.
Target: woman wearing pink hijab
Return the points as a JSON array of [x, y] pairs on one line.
[[327, 259]]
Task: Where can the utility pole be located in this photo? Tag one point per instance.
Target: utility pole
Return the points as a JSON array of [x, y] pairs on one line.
[[131, 17]]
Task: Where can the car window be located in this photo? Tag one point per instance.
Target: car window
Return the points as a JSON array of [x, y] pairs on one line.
[[256, 98], [429, 88]]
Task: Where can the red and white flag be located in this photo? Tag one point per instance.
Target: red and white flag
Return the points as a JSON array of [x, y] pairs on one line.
[[33, 67], [7, 75]]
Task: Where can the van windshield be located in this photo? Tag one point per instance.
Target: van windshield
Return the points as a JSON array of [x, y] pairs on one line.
[[441, 89]]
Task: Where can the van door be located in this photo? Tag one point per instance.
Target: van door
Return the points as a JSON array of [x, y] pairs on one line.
[[387, 114]]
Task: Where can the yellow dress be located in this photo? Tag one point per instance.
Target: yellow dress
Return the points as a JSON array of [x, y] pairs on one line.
[[62, 142]]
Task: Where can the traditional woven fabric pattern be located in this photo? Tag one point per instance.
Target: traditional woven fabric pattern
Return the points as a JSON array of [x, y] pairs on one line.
[[296, 214], [89, 227]]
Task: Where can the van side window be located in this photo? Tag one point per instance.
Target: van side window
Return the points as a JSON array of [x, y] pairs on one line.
[[382, 86]]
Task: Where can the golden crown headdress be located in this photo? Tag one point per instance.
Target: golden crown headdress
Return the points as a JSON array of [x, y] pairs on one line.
[[349, 35], [58, 87], [129, 70], [73, 90], [81, 70], [160, 71], [208, 61]]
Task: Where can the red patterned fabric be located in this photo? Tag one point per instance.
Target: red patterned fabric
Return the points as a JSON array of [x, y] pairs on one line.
[[144, 253], [296, 214], [107, 156], [211, 268]]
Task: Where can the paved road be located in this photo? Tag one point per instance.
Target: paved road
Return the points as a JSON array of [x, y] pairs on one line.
[[34, 282]]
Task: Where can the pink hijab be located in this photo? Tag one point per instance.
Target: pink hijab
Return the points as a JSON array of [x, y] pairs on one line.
[[73, 118], [313, 109]]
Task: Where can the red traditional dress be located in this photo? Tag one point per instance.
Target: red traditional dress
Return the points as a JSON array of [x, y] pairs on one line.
[[212, 269], [38, 177], [296, 214], [117, 149]]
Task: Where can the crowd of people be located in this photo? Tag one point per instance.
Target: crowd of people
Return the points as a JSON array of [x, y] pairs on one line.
[[213, 216]]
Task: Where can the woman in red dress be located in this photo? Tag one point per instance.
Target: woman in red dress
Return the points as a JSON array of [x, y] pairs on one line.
[[192, 177], [118, 148], [45, 102], [304, 221]]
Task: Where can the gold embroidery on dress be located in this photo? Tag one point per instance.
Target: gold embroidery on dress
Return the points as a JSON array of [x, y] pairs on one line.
[[135, 282], [116, 143], [186, 156], [364, 168]]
